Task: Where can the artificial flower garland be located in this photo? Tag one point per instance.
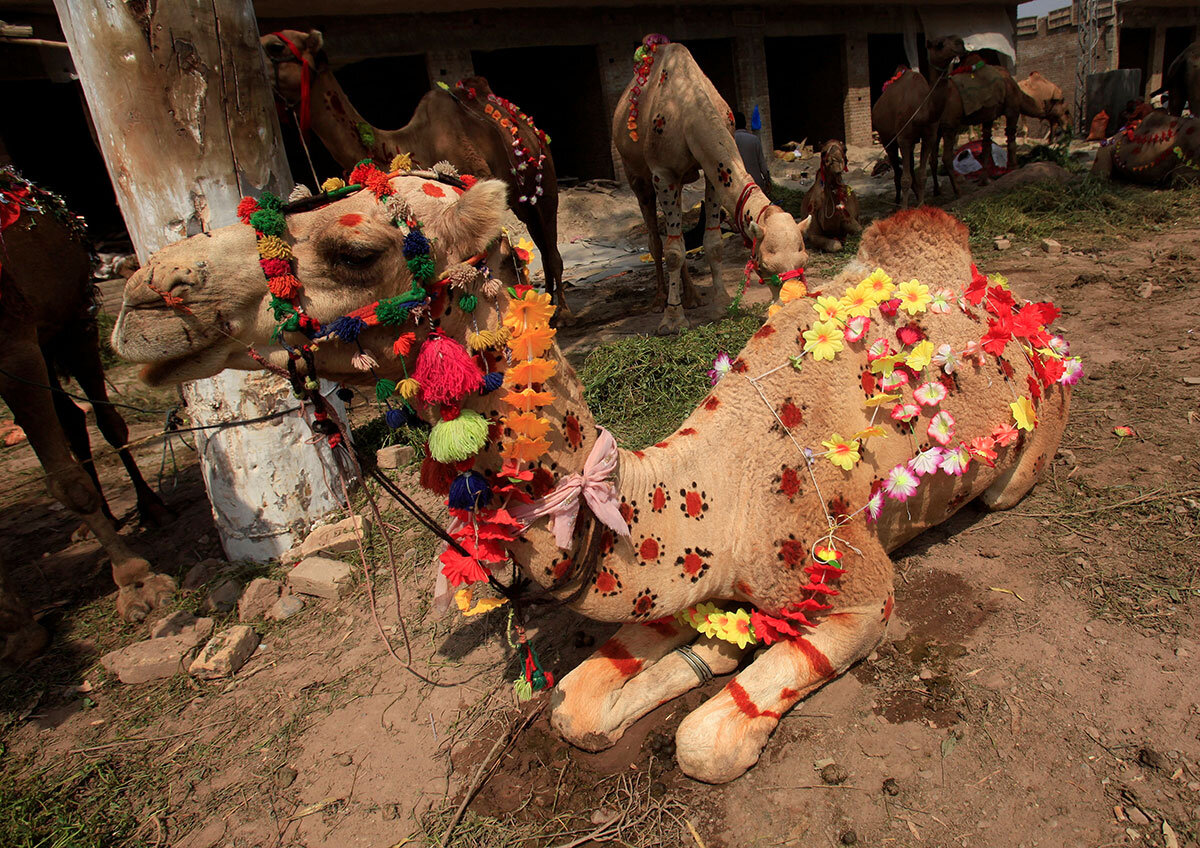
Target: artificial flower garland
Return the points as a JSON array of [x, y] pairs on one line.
[[643, 60], [508, 116]]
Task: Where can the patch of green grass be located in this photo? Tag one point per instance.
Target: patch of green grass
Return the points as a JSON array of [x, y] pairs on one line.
[[641, 388], [104, 324], [1085, 211]]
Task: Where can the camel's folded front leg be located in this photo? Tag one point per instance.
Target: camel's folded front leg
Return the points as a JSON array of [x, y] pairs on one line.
[[631, 674], [725, 736]]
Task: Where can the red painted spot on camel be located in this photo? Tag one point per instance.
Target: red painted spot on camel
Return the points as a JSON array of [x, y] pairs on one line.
[[661, 444], [742, 699], [350, 219], [790, 415], [639, 454], [649, 549], [335, 103], [694, 504], [433, 190], [573, 433], [626, 513], [562, 568], [739, 365], [711, 404], [887, 608], [692, 563], [625, 663], [542, 482], [793, 552], [790, 483], [659, 502], [766, 330], [605, 582], [744, 588], [817, 661], [687, 431], [663, 626]]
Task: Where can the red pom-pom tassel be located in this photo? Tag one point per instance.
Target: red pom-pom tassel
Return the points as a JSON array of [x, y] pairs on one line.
[[275, 267], [446, 371], [284, 286], [245, 208]]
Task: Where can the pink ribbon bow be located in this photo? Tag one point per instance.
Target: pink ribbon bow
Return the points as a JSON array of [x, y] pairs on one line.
[[591, 485]]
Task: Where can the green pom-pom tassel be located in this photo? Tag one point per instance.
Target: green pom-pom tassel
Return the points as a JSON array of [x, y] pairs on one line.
[[468, 302], [292, 324], [422, 268], [269, 222], [280, 308], [269, 201], [366, 134], [458, 439], [384, 389], [391, 312]]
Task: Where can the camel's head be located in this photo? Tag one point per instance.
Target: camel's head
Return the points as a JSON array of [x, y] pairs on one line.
[[1059, 115], [944, 50], [200, 303], [779, 241], [287, 67], [833, 161]]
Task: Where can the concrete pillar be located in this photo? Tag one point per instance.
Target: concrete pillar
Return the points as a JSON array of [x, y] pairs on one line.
[[856, 107], [616, 69], [1158, 49], [449, 66], [750, 63]]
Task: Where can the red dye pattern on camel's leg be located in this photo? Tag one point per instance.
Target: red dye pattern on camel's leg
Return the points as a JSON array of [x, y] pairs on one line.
[[742, 699], [665, 626], [625, 663], [821, 667]]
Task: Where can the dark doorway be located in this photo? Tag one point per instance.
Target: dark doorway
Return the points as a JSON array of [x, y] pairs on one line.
[[560, 88], [1177, 40], [386, 90], [1134, 51], [885, 55], [715, 58], [809, 105]]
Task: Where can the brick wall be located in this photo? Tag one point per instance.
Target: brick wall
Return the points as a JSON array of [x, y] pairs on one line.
[[857, 106], [1050, 46]]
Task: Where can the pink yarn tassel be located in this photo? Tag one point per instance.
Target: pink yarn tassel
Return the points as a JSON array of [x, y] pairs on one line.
[[445, 370]]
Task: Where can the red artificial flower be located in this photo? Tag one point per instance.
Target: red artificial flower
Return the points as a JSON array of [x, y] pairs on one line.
[[910, 334], [1005, 434], [769, 629], [1000, 302], [889, 308], [461, 569], [998, 335], [977, 288]]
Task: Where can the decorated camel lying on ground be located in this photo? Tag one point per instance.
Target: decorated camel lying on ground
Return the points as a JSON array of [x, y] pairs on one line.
[[848, 425], [1158, 150], [48, 327], [669, 124], [476, 131], [829, 204]]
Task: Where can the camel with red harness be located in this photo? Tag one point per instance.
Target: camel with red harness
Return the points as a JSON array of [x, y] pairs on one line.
[[829, 203]]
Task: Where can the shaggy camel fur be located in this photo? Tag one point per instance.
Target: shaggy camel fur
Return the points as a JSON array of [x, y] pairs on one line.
[[1157, 150], [726, 508], [830, 203], [684, 126], [449, 126], [908, 112], [48, 327], [1049, 102]]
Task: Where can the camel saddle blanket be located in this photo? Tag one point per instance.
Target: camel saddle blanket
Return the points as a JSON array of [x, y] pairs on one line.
[[980, 89]]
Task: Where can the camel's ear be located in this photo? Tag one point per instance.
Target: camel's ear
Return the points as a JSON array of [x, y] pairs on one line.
[[472, 222], [316, 41], [804, 225], [756, 231]]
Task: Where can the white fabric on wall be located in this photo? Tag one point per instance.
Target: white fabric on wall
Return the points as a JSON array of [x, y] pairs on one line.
[[981, 27]]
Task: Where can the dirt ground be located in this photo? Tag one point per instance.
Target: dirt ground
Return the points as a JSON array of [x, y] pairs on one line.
[[1038, 685]]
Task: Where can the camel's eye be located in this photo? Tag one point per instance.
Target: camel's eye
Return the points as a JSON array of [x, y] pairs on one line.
[[356, 257], [275, 49]]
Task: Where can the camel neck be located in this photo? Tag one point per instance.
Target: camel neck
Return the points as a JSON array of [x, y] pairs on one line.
[[344, 131]]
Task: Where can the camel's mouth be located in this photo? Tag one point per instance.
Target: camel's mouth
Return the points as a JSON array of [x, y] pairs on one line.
[[170, 349]]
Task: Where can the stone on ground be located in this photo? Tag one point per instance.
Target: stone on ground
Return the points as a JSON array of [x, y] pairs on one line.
[[153, 659], [258, 598], [322, 577], [225, 653], [1001, 243], [394, 456], [202, 572], [1051, 246], [332, 538], [285, 608], [180, 623], [223, 597]]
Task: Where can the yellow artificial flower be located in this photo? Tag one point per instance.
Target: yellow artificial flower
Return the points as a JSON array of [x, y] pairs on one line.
[[531, 343], [878, 285], [735, 627], [529, 372], [527, 424], [772, 309], [920, 356], [914, 297], [1024, 413], [532, 310], [998, 280], [792, 290], [842, 452], [465, 595], [697, 615], [873, 430], [527, 400], [823, 341], [829, 309], [524, 251], [525, 449], [880, 399], [885, 365], [857, 303]]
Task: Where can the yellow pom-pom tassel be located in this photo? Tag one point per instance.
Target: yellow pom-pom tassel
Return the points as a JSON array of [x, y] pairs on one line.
[[402, 162], [273, 247], [333, 184], [480, 341], [408, 388]]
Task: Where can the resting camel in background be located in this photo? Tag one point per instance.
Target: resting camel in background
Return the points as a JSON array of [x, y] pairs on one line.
[[48, 327], [670, 123], [1158, 150], [446, 126], [908, 112], [691, 534], [830, 203], [1182, 81]]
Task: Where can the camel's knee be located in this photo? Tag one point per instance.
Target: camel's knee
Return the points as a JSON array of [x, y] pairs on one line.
[[673, 254], [73, 488]]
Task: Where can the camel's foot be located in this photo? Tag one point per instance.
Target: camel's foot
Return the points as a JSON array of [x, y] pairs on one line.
[[718, 742], [135, 600], [832, 246], [660, 302], [673, 321], [692, 298], [152, 512]]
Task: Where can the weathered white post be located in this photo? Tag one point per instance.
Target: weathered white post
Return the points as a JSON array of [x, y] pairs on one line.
[[186, 122]]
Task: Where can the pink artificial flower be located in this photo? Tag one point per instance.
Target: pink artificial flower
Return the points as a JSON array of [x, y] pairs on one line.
[[905, 411], [856, 328], [893, 381], [1060, 345], [1005, 434], [878, 349], [930, 394], [927, 461], [946, 359], [956, 461], [1072, 371], [901, 483], [941, 428], [722, 365], [875, 506]]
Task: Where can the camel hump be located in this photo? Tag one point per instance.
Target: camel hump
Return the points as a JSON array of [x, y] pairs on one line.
[[926, 244], [476, 85]]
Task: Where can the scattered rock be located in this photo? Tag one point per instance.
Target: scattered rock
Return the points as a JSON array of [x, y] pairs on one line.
[[849, 837], [225, 653], [202, 572], [1152, 759], [322, 577], [285, 608], [391, 812], [992, 679], [1136, 816], [257, 598], [1001, 243], [344, 760], [1051, 246], [1191, 381], [394, 456], [925, 674], [891, 787], [331, 538], [223, 598], [285, 776], [153, 659], [834, 775], [183, 624]]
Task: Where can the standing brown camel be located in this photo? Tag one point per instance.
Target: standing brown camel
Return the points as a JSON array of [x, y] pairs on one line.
[[908, 111], [474, 130], [830, 202], [47, 324], [1182, 81], [980, 94], [1050, 102]]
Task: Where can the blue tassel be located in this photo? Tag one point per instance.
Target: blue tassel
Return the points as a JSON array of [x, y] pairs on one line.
[[469, 491], [491, 382], [395, 418], [346, 328], [415, 244]]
